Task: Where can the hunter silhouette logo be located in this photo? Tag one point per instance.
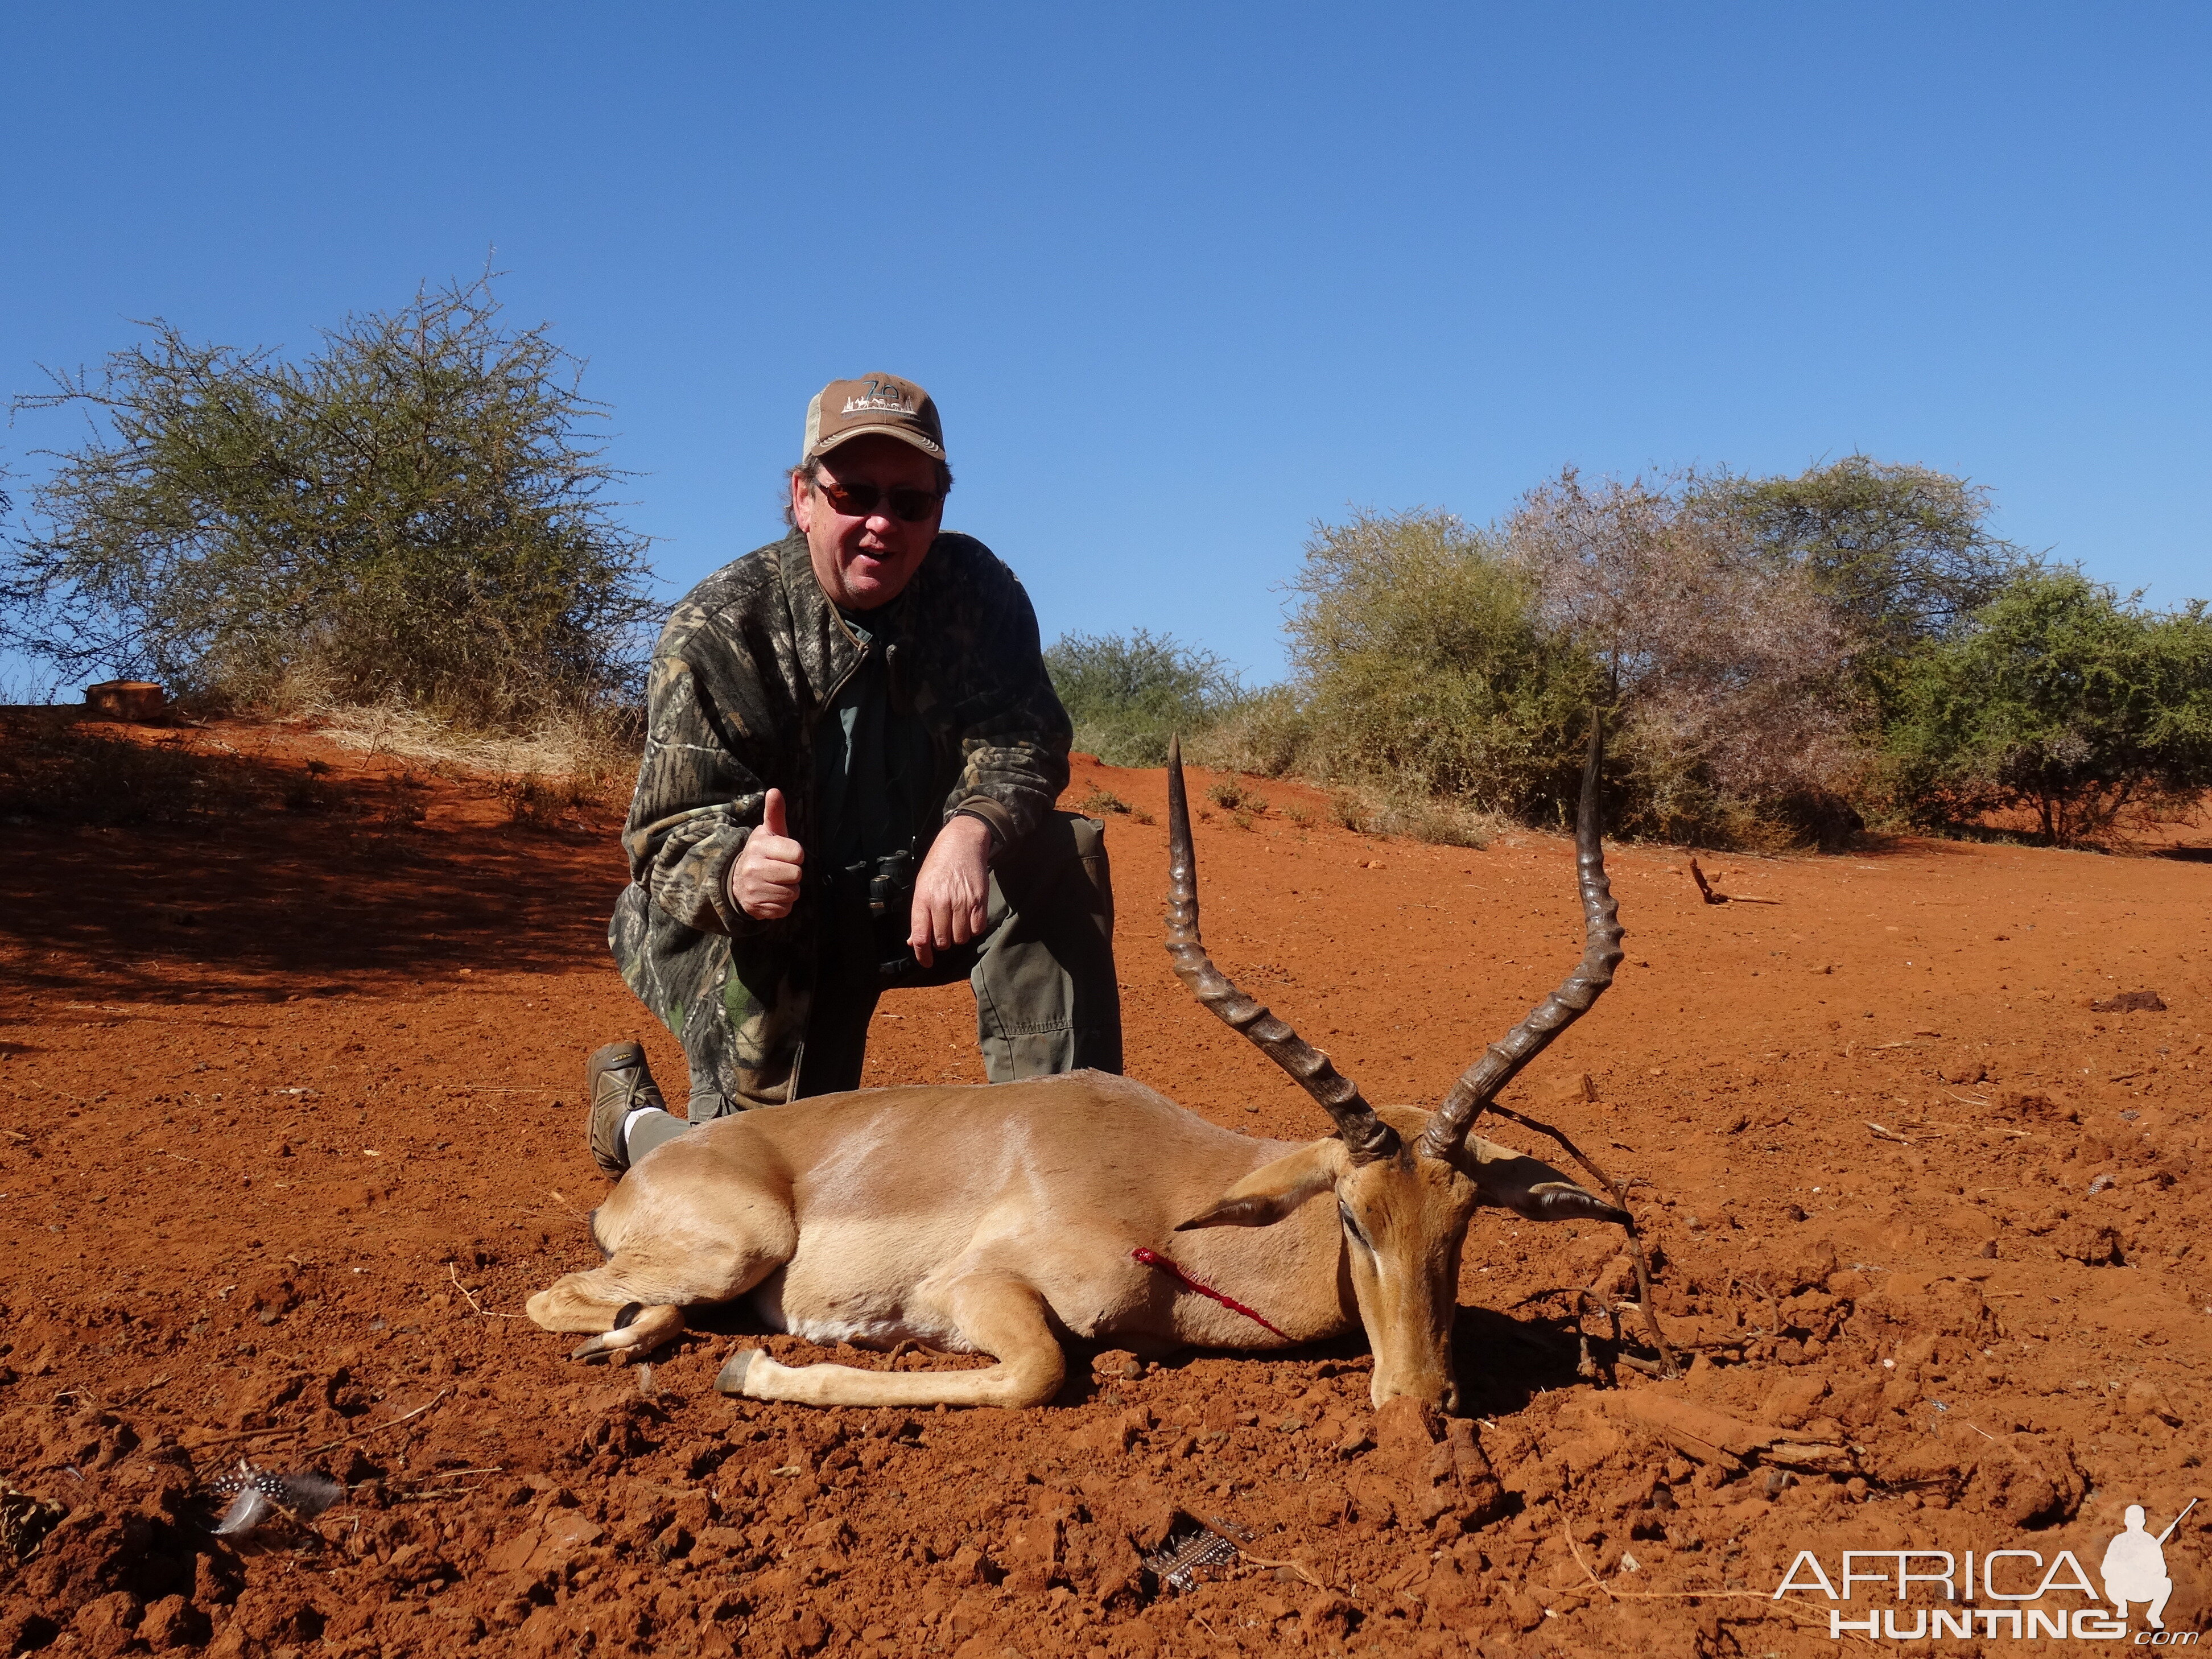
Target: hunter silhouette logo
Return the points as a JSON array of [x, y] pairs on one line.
[[2133, 1570], [2134, 1567]]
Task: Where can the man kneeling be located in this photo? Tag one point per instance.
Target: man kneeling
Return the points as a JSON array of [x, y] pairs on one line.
[[852, 755]]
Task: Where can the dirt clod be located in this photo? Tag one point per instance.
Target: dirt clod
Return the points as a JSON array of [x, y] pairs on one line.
[[2129, 1002]]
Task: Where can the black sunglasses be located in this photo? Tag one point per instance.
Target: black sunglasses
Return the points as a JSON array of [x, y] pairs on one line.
[[906, 503]]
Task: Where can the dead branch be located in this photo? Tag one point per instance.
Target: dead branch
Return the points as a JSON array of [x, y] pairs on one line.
[[453, 1274], [1612, 1594], [1712, 895]]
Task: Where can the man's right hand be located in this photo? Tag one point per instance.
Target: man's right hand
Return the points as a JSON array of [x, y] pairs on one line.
[[765, 880]]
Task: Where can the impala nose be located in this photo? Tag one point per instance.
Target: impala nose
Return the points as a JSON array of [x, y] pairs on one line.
[[1439, 1387]]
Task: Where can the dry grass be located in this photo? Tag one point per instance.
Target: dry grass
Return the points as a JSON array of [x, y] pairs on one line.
[[1101, 801], [1233, 796], [1265, 733], [588, 748], [572, 766], [1441, 823]]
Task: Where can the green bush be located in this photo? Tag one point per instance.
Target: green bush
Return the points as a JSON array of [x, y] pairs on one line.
[[1423, 666], [1128, 696], [410, 514], [1458, 667], [2061, 699]]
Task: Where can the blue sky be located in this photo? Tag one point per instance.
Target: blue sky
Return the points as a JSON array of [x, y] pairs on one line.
[[1184, 279]]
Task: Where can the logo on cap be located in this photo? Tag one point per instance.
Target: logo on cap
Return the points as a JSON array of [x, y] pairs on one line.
[[880, 398]]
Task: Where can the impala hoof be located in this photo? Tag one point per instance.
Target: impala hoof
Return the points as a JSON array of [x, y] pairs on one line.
[[731, 1379], [620, 1336]]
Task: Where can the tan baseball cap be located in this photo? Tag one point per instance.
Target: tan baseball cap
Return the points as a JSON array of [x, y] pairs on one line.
[[845, 409]]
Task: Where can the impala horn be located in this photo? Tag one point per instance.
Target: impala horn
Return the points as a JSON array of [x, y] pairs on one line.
[[1479, 1085], [1369, 1137]]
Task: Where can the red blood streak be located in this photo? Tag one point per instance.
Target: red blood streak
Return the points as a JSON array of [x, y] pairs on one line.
[[1154, 1259]]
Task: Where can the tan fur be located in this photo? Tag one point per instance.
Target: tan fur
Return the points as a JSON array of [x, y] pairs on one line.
[[1000, 1220]]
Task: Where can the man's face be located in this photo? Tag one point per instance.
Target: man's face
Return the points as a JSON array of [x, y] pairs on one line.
[[864, 559]]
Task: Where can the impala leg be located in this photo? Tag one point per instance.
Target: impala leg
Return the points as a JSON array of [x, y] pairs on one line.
[[635, 1300], [1001, 1317]]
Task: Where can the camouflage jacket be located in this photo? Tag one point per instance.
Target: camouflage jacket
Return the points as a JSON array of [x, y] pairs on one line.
[[748, 662]]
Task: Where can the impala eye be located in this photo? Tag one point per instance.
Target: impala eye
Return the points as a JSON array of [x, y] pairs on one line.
[[1352, 1225]]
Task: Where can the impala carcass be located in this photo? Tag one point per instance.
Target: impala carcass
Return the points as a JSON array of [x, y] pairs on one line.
[[1004, 1219]]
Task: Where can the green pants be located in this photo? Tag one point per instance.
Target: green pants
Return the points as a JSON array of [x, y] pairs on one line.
[[1047, 1000]]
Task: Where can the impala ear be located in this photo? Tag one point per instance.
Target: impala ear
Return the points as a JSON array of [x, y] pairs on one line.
[[1562, 1200], [1529, 1187], [1274, 1190]]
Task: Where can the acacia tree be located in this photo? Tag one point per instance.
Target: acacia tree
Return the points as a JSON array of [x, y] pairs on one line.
[[1727, 667], [2061, 698], [1903, 554], [413, 512]]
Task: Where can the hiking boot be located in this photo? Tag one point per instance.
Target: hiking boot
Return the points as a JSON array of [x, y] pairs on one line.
[[617, 1083]]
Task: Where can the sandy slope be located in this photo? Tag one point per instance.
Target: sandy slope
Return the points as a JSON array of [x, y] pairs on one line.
[[291, 1129]]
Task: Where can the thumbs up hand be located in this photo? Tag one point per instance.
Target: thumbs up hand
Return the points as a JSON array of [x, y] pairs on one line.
[[765, 880], [772, 819]]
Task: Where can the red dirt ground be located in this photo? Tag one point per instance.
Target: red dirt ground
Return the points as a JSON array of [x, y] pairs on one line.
[[292, 1129]]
